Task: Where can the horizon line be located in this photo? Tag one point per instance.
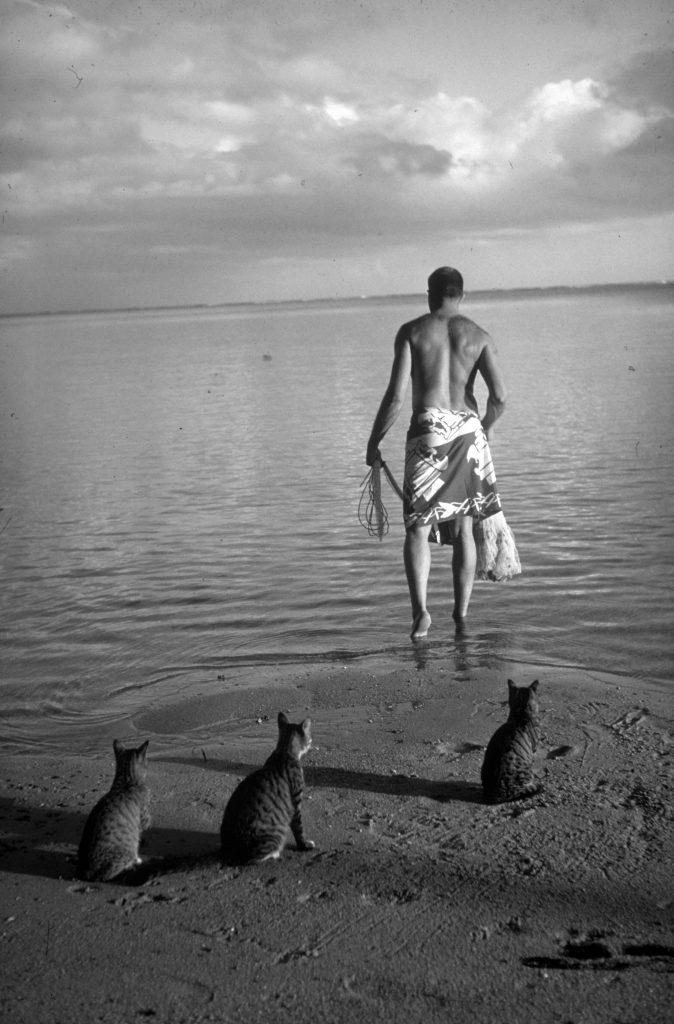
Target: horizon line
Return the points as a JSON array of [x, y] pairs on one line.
[[612, 285]]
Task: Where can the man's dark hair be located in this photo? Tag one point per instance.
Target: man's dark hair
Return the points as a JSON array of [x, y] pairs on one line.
[[444, 282]]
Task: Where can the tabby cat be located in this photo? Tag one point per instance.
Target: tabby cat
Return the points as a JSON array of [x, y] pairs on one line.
[[507, 769], [267, 805], [112, 832]]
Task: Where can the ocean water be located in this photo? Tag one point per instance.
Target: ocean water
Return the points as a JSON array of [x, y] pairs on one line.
[[179, 493]]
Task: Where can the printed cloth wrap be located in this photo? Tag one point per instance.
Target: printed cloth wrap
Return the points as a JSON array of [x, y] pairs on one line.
[[449, 472]]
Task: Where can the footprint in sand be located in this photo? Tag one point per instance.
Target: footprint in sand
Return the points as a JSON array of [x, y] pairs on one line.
[[630, 720], [458, 749], [564, 751], [596, 954]]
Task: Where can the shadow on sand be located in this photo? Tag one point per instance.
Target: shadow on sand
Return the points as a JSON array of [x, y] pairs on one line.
[[445, 791], [44, 843]]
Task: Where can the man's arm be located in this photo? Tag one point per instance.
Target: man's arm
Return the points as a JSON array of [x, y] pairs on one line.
[[491, 375], [392, 401]]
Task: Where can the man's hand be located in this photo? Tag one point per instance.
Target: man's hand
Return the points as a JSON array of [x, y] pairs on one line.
[[373, 454]]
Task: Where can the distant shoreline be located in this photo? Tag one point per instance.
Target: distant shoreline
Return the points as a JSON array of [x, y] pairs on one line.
[[364, 300]]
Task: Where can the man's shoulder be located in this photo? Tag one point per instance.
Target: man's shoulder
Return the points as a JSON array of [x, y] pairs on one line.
[[462, 327], [459, 320], [419, 321], [412, 327]]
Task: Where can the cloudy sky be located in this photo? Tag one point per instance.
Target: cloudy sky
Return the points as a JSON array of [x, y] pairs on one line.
[[186, 151]]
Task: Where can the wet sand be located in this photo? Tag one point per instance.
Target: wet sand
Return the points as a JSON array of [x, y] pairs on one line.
[[419, 903]]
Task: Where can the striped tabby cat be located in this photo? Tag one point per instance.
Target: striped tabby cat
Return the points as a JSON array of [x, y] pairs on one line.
[[267, 805], [507, 769], [111, 836]]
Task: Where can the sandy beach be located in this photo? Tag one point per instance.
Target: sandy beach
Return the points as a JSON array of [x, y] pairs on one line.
[[419, 903]]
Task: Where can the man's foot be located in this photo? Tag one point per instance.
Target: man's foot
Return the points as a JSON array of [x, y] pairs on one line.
[[459, 622], [421, 625]]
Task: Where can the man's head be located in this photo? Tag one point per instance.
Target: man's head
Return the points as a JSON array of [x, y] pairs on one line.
[[444, 283]]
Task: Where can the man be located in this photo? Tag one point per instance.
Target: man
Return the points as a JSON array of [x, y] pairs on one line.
[[449, 475]]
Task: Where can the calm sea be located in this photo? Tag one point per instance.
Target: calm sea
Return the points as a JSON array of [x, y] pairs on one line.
[[179, 495]]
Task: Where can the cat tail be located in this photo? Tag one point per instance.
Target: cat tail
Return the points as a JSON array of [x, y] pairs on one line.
[[499, 795], [531, 789], [106, 870], [524, 793], [256, 849], [267, 847]]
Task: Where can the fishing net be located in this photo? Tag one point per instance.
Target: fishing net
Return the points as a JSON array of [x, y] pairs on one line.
[[372, 513]]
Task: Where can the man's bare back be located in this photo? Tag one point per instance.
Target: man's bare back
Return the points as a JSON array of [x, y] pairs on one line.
[[442, 352], [446, 356]]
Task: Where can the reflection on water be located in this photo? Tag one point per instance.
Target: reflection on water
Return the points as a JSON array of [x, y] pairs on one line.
[[175, 505], [471, 649]]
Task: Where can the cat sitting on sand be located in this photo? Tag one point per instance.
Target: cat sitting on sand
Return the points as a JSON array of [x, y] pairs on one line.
[[507, 769], [112, 833], [267, 805]]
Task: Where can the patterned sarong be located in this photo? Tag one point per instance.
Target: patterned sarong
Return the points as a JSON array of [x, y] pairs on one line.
[[448, 473]]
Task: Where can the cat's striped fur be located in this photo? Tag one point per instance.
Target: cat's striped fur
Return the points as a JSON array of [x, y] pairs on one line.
[[507, 769], [113, 830], [267, 806]]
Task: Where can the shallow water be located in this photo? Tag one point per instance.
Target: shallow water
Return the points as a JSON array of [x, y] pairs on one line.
[[179, 496]]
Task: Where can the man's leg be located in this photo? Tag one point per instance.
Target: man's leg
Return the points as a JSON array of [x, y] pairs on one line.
[[417, 555], [464, 559]]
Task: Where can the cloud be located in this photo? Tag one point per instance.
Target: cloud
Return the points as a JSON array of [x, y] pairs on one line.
[[240, 132], [187, 111], [645, 80], [378, 156]]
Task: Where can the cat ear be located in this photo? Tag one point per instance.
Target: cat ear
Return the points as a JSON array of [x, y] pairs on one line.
[[306, 727], [117, 747], [142, 751], [534, 685], [511, 686], [282, 720]]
